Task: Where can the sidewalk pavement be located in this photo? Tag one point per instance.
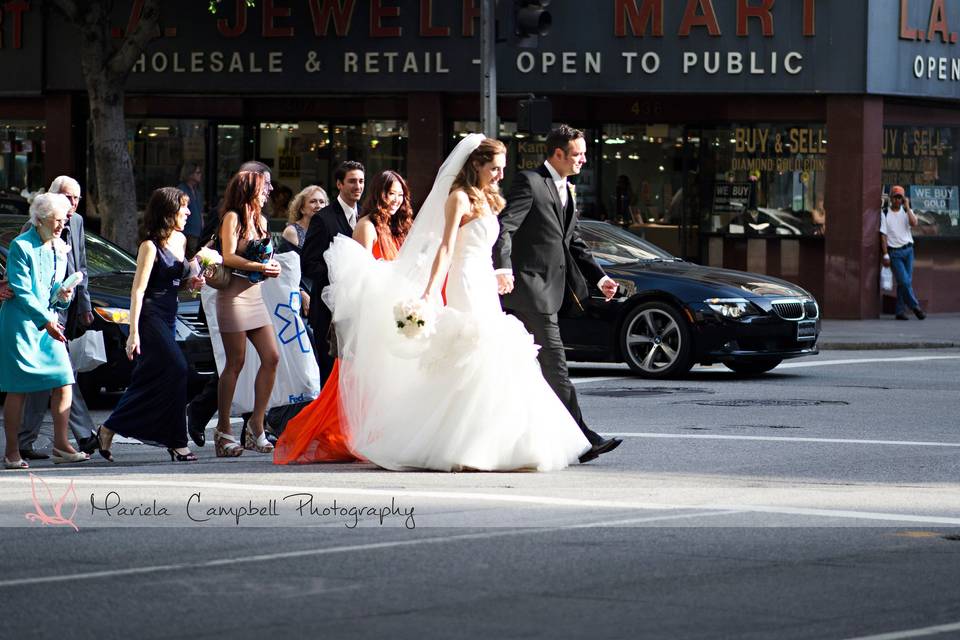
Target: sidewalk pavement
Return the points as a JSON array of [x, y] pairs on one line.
[[938, 331]]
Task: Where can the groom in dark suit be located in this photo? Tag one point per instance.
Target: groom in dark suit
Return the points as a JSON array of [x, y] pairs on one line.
[[338, 217], [541, 259]]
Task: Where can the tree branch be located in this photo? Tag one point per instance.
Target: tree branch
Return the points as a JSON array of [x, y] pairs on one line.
[[67, 7], [147, 29]]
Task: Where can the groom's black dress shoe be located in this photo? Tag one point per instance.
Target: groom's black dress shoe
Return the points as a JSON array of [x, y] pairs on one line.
[[604, 446], [30, 454]]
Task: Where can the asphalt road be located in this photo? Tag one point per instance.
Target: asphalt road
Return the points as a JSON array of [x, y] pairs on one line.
[[818, 501]]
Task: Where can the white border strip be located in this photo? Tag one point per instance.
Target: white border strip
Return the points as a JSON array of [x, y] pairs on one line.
[[914, 633], [698, 436], [537, 500]]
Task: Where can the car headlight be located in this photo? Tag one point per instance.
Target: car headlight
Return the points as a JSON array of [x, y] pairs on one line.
[[116, 315], [626, 288], [730, 307]]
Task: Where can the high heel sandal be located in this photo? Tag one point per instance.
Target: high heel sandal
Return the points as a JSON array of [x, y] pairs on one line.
[[19, 464], [105, 453], [260, 444], [181, 457], [64, 457], [226, 445]]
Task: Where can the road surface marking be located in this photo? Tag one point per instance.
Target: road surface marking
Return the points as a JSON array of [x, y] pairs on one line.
[[786, 365], [827, 363], [18, 582], [697, 436], [914, 633]]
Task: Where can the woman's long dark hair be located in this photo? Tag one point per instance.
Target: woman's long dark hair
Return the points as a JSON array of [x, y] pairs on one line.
[[160, 218], [243, 198], [378, 209]]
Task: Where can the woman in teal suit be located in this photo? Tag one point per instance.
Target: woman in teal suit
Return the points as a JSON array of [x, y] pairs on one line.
[[34, 353]]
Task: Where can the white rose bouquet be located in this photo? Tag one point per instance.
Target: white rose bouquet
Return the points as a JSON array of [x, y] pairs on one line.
[[415, 318]]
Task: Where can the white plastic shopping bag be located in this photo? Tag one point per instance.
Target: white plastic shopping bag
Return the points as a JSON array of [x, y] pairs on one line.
[[886, 279], [87, 352], [298, 377]]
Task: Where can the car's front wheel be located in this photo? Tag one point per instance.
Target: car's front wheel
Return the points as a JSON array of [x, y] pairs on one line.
[[754, 366], [655, 341]]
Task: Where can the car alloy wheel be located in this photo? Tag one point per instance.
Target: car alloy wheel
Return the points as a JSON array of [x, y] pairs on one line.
[[655, 340]]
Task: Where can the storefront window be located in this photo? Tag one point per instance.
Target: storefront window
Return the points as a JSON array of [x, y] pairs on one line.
[[923, 160], [21, 162], [160, 148], [308, 152], [764, 179]]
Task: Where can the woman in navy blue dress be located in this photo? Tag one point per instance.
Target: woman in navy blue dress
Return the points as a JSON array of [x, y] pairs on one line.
[[153, 408]]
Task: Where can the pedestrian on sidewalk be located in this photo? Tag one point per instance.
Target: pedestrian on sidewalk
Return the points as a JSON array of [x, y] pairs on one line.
[[896, 244]]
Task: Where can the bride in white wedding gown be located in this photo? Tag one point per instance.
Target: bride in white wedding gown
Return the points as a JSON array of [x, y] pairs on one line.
[[469, 396]]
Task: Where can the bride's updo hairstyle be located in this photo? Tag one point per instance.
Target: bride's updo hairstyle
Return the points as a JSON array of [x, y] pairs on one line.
[[468, 180]]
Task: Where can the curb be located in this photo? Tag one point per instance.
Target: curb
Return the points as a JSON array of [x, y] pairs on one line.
[[878, 346]]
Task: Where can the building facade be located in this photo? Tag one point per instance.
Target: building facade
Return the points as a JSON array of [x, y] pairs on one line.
[[749, 134]]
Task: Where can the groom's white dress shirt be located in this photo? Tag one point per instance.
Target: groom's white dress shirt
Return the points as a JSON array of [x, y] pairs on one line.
[[350, 211], [561, 184]]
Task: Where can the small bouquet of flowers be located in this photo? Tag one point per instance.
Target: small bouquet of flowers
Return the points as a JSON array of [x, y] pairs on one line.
[[207, 262], [415, 318], [257, 251]]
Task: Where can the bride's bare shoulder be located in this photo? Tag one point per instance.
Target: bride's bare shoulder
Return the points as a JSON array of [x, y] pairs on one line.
[[459, 198]]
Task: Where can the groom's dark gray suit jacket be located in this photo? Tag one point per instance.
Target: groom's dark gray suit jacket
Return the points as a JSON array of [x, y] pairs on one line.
[[540, 241]]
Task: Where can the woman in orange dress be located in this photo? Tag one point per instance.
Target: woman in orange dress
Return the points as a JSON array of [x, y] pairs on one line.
[[319, 433]]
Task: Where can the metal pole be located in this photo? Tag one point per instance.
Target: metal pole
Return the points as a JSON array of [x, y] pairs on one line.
[[488, 66]]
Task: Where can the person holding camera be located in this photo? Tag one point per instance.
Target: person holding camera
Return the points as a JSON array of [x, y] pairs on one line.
[[896, 244]]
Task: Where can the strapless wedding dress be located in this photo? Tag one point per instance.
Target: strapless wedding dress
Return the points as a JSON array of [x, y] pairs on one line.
[[475, 398]]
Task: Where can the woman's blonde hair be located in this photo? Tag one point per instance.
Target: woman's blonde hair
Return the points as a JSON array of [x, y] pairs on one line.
[[468, 180], [294, 212]]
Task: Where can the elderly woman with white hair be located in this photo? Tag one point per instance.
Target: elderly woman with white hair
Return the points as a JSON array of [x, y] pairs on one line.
[[34, 354]]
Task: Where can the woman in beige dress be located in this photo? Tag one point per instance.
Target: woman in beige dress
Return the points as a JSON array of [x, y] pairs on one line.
[[241, 313]]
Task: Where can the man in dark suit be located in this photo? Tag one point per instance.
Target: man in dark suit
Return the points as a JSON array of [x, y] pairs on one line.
[[339, 217], [541, 260], [77, 317]]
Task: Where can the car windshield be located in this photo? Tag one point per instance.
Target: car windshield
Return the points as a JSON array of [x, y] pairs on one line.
[[104, 258], [611, 245]]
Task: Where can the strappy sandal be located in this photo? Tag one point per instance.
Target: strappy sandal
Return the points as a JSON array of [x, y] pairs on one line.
[[176, 456], [260, 444], [66, 457], [226, 445], [19, 464]]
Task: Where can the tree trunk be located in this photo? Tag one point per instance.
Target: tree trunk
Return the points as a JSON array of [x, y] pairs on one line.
[[116, 191], [106, 65]]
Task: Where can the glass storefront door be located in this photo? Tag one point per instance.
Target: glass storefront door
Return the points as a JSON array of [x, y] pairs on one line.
[[308, 152]]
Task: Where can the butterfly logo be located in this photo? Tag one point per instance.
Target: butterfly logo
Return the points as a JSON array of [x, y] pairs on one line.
[[37, 485]]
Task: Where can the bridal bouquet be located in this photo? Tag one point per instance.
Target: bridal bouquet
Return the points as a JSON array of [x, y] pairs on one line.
[[415, 318]]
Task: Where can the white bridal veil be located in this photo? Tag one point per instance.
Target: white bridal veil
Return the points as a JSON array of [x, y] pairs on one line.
[[380, 373]]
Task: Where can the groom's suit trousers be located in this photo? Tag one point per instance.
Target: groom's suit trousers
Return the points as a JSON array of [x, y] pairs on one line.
[[35, 408], [553, 363]]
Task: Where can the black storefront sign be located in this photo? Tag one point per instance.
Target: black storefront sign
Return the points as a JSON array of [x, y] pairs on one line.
[[374, 46]]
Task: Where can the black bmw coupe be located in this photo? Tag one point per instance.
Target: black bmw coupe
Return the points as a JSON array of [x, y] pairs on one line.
[[669, 314]]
